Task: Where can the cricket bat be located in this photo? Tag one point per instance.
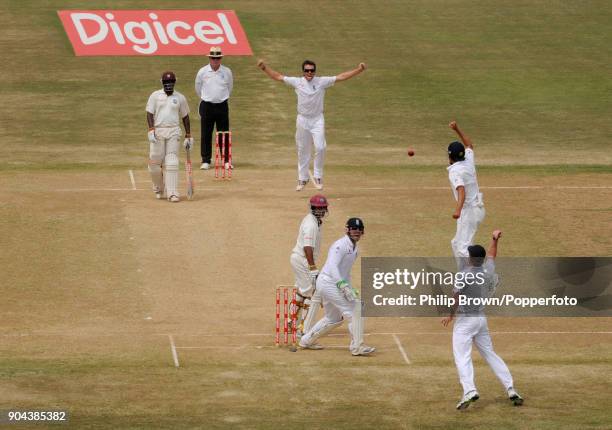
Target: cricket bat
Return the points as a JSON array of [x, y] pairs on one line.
[[189, 174]]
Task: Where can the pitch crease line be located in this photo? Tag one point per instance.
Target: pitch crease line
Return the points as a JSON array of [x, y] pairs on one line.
[[401, 348], [132, 179], [174, 353]]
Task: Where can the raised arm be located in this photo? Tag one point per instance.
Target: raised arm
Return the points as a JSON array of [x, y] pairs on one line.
[[466, 140], [349, 74], [269, 71], [492, 252]]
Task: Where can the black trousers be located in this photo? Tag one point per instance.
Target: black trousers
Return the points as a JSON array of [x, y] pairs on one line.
[[212, 114]]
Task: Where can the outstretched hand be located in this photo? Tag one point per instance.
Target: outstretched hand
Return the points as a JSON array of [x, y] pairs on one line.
[[453, 125], [497, 234], [362, 66], [261, 64]]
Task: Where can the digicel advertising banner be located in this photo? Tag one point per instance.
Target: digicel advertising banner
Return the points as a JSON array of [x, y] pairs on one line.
[[154, 32]]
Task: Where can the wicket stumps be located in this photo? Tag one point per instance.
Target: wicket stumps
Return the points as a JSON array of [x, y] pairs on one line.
[[288, 312], [223, 139]]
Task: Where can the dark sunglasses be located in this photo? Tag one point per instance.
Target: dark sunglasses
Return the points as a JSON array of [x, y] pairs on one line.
[[310, 70]]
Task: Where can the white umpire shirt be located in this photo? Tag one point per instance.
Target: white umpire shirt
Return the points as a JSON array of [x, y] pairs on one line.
[[214, 86], [310, 94], [340, 259], [167, 110], [309, 235], [463, 173]]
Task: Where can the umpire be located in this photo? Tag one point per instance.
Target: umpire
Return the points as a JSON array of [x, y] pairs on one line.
[[213, 84]]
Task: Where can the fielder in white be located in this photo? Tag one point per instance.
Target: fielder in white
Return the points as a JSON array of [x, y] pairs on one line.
[[164, 109], [340, 300], [303, 261], [471, 325], [469, 211], [310, 123]]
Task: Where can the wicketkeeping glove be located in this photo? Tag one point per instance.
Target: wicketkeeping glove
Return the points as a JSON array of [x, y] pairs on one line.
[[188, 143], [151, 136], [349, 292]]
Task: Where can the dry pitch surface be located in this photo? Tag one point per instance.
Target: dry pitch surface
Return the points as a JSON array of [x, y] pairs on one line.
[[135, 313]]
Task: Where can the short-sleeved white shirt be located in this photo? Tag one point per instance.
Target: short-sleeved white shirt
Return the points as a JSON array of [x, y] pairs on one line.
[[310, 93], [340, 259], [481, 288], [309, 235], [167, 110], [214, 86], [463, 173]]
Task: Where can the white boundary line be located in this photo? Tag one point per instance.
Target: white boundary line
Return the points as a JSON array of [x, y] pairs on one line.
[[132, 179], [174, 353], [401, 348]]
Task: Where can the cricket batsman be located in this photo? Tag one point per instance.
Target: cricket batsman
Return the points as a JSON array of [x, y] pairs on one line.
[[164, 109], [469, 210], [471, 325], [303, 262], [340, 300]]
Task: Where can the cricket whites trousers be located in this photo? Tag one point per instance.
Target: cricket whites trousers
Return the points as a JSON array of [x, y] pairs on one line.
[[310, 131]]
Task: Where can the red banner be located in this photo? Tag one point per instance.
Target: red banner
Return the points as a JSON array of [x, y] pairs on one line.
[[154, 32]]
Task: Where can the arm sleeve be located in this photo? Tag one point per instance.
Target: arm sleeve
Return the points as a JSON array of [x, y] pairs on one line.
[[151, 105], [456, 179], [334, 257], [309, 236], [198, 84], [292, 82], [230, 81], [469, 156], [183, 107], [327, 81]]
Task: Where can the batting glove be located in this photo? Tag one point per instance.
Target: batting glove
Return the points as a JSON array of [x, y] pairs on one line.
[[313, 275], [188, 143], [151, 136]]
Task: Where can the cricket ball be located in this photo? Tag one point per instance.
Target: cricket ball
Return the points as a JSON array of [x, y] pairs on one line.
[[410, 152]]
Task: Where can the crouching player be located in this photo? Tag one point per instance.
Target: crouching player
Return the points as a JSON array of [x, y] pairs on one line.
[[340, 300]]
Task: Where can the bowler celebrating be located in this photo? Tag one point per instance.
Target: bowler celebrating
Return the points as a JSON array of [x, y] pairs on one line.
[[310, 124]]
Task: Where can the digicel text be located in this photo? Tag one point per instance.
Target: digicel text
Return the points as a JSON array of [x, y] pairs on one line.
[[154, 32]]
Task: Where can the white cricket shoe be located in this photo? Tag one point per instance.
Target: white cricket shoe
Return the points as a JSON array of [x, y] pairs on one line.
[[363, 350], [300, 185], [159, 194], [318, 183], [314, 346], [470, 397], [514, 397], [228, 166], [173, 199], [205, 166]]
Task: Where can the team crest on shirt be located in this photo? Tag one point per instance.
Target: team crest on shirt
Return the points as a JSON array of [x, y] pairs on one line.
[[174, 101]]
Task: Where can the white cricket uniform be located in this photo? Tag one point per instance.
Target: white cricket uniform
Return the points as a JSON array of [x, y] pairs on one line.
[[168, 111], [463, 173], [340, 259], [471, 326], [310, 123], [309, 235]]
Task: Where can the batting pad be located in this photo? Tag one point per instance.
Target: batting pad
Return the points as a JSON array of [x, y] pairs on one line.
[[156, 174], [356, 327], [171, 165]]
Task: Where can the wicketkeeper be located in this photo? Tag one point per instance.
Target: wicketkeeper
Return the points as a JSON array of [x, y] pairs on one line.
[[164, 109], [340, 299]]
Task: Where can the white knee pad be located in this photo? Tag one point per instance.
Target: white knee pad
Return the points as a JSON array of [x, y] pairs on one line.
[[156, 174], [321, 328], [356, 327], [171, 166], [315, 303]]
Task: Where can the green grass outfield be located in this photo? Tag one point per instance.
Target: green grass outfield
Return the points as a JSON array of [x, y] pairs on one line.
[[100, 280]]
